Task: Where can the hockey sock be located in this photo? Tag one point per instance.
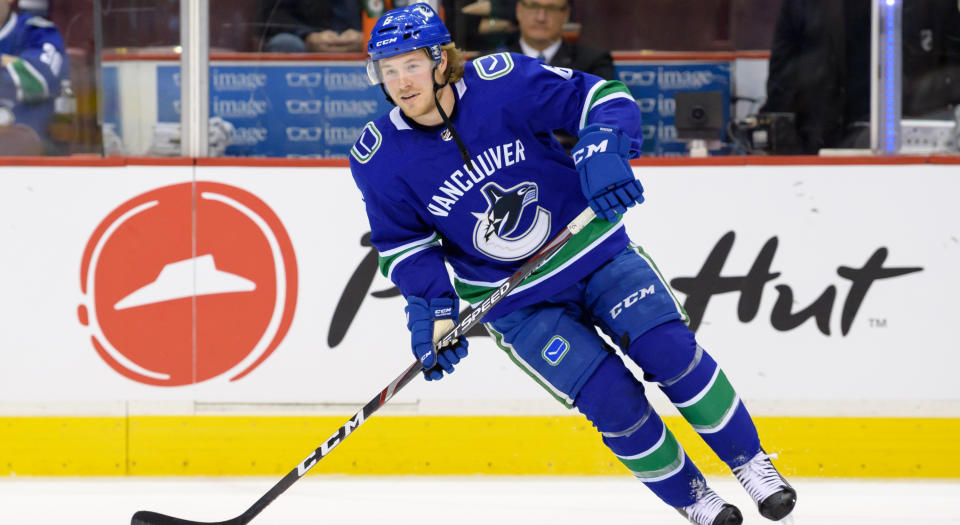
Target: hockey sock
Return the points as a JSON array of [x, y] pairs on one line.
[[699, 389], [663, 466], [615, 402]]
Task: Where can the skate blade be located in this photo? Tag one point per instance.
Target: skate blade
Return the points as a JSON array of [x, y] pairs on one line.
[[788, 520]]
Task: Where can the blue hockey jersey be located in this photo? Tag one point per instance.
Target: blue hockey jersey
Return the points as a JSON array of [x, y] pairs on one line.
[[29, 83], [426, 205]]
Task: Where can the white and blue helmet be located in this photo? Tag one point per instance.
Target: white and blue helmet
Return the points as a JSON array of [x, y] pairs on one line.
[[402, 30]]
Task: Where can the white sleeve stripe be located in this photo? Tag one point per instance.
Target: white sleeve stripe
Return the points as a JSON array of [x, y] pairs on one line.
[[395, 263], [40, 78], [486, 284], [8, 28], [611, 96], [586, 103], [393, 251], [608, 98], [16, 81]]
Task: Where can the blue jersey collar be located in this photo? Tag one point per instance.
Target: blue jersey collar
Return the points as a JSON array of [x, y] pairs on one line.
[[402, 122]]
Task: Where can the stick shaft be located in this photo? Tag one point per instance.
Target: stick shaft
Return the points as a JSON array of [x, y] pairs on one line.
[[537, 260]]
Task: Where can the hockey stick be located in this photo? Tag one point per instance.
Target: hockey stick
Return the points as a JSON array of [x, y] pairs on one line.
[[144, 517]]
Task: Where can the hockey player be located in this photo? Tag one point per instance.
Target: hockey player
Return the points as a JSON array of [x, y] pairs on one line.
[[33, 66], [465, 170]]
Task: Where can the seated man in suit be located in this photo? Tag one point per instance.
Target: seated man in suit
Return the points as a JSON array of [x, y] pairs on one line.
[[541, 36], [301, 26], [541, 30]]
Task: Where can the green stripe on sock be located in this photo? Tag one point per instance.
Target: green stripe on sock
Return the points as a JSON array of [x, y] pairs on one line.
[[655, 463], [711, 408]]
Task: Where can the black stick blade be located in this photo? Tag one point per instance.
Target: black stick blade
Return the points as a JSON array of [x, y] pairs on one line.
[[145, 517]]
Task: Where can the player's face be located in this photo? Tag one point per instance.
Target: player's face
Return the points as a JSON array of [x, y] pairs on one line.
[[541, 21], [409, 80]]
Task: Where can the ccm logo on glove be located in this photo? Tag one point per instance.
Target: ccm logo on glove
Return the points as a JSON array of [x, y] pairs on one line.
[[579, 155], [606, 178], [428, 322]]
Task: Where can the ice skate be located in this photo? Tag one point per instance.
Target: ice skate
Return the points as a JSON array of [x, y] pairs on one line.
[[710, 509], [774, 496]]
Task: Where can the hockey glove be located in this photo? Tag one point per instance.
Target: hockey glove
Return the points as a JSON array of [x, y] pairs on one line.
[[428, 323], [605, 176]]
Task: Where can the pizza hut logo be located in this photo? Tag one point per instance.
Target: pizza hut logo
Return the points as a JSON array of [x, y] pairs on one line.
[[188, 282]]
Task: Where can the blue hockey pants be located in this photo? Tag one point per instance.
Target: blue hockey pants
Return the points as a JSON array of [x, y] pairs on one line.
[[557, 344]]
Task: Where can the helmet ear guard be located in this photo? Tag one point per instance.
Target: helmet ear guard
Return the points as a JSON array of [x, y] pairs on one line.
[[373, 73]]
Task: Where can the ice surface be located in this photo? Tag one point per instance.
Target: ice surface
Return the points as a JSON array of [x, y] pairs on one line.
[[320, 499]]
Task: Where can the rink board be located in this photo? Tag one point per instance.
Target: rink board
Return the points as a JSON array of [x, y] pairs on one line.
[[112, 337], [446, 445]]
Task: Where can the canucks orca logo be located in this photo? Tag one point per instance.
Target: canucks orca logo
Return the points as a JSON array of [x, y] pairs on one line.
[[495, 233]]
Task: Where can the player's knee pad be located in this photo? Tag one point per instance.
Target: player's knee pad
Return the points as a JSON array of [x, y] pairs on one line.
[[693, 382], [670, 356], [664, 352], [612, 399]]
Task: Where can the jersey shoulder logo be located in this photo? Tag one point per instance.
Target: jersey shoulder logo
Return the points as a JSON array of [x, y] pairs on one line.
[[494, 66], [368, 143], [496, 231]]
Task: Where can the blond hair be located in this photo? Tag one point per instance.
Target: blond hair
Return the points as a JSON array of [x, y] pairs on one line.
[[455, 62]]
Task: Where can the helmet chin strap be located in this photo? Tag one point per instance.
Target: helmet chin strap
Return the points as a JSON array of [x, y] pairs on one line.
[[446, 120], [443, 114], [389, 98]]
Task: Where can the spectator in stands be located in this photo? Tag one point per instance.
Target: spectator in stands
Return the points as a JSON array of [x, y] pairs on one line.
[[299, 26], [33, 67], [820, 67], [541, 36], [819, 70], [931, 58], [491, 24]]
